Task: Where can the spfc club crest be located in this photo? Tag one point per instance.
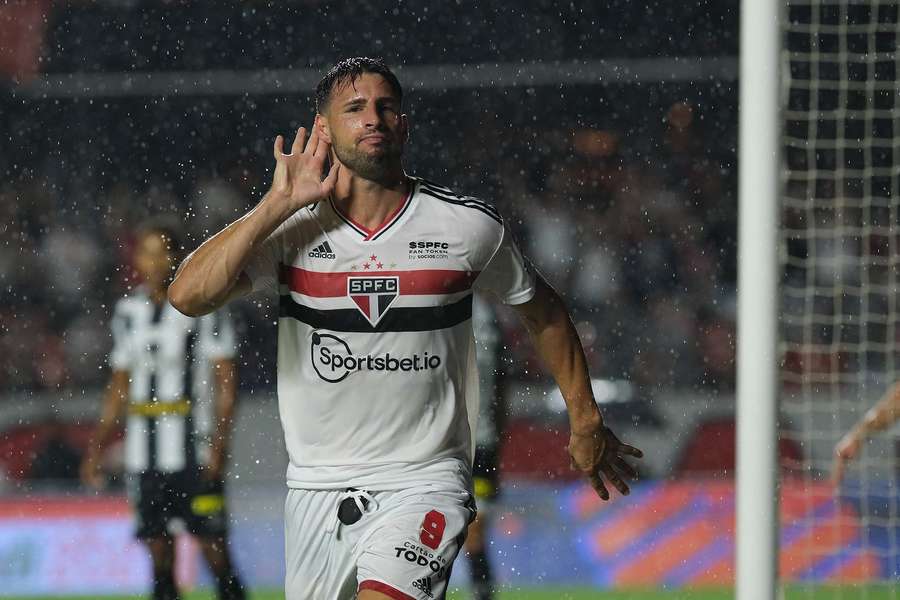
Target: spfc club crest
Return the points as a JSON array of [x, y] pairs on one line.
[[373, 295]]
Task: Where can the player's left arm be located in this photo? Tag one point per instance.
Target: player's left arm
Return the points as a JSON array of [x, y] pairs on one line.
[[225, 394], [594, 449]]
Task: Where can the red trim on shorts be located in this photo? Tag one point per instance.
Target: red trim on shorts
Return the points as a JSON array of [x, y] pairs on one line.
[[377, 586]]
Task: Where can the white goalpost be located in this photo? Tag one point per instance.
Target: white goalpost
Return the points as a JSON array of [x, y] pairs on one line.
[[759, 190]]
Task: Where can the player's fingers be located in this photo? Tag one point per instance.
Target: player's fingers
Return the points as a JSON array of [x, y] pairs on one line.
[[313, 143], [279, 147], [624, 467], [599, 486], [331, 179], [300, 138], [322, 149], [614, 478], [630, 450]]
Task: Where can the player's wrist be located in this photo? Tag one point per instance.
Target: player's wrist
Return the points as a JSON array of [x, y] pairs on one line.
[[586, 424], [277, 206]]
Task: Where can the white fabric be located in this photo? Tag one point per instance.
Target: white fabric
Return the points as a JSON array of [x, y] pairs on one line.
[[372, 394], [155, 353], [327, 559]]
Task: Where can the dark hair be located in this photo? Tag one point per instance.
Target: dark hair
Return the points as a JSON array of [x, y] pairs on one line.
[[167, 228], [349, 70]]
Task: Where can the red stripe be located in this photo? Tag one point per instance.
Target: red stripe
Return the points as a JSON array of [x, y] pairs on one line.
[[377, 586], [434, 282]]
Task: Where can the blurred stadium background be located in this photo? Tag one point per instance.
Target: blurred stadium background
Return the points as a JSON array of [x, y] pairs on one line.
[[606, 133]]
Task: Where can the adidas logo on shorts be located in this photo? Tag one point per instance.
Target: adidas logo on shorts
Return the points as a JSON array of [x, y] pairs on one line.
[[424, 585], [323, 250]]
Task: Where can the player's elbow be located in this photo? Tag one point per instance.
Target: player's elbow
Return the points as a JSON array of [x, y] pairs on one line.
[[184, 301]]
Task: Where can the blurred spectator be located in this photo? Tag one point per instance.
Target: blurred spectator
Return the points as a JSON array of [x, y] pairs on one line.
[[624, 201], [214, 204]]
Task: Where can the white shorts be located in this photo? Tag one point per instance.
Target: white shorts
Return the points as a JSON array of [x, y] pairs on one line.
[[404, 544]]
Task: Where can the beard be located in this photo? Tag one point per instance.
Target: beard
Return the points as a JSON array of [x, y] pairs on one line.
[[378, 167]]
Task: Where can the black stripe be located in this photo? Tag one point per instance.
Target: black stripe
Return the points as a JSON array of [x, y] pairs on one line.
[[451, 197], [426, 318], [437, 186], [394, 222], [151, 392], [463, 203], [190, 448], [454, 197]]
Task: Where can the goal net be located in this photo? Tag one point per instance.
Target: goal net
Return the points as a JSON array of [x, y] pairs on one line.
[[840, 326]]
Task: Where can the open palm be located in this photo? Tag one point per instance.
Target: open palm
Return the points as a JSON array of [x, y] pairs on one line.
[[298, 175]]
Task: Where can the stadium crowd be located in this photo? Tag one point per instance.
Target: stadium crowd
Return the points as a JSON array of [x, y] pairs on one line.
[[622, 194], [640, 245]]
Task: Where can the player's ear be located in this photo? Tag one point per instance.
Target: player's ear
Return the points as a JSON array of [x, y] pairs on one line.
[[321, 125]]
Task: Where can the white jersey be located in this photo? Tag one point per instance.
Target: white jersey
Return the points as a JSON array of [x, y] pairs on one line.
[[377, 383], [168, 357]]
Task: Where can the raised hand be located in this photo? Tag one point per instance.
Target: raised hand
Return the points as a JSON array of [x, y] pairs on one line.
[[298, 175], [600, 455]]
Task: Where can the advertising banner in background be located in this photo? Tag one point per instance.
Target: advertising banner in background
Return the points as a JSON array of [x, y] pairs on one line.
[[673, 534]]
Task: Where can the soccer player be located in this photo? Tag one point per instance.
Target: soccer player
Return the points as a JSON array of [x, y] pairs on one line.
[[878, 418], [176, 437], [485, 473], [375, 272]]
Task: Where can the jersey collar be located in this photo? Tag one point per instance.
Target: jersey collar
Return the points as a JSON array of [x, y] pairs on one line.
[[370, 235]]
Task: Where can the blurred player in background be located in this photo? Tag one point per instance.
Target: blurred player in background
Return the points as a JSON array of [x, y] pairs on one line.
[[375, 272], [878, 418], [174, 381], [485, 471]]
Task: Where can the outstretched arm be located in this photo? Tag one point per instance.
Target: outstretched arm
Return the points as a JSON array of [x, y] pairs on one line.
[[213, 274], [594, 449], [878, 418], [115, 399]]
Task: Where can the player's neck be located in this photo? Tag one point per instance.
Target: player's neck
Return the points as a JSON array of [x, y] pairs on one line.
[[370, 203]]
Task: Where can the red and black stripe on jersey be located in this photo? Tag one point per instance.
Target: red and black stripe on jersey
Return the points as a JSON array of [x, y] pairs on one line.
[[422, 282]]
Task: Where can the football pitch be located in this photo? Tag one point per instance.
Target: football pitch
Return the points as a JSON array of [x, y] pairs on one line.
[[872, 592]]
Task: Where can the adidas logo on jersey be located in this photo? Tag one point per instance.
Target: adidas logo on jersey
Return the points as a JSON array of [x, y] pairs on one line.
[[323, 250], [424, 585]]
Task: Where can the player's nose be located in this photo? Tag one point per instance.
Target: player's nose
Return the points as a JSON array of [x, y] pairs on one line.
[[372, 117]]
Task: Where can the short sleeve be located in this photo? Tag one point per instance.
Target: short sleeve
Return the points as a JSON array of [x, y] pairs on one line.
[[506, 275], [122, 355], [218, 340]]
